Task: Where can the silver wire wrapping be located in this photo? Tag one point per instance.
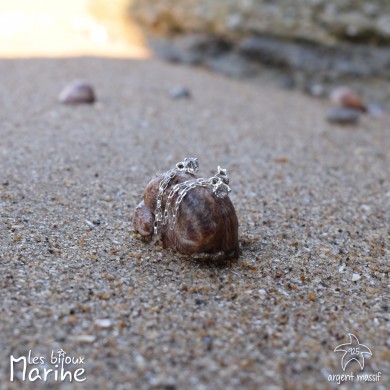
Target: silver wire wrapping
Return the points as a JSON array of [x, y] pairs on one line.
[[218, 182]]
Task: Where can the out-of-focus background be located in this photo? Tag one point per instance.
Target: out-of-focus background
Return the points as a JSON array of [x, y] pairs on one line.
[[55, 28], [312, 45]]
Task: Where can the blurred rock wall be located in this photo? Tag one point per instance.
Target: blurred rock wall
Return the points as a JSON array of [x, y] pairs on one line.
[[317, 40], [308, 44], [323, 21]]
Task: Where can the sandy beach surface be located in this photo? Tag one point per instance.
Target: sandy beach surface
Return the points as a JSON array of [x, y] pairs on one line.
[[312, 199]]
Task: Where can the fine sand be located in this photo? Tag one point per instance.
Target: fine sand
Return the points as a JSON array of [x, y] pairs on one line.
[[312, 200]]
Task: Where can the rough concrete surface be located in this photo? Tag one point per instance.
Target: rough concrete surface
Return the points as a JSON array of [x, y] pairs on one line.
[[312, 200]]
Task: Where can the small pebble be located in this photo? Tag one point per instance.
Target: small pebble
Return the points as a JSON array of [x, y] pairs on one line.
[[316, 90], [312, 296], [84, 338], [103, 323], [89, 223], [342, 268], [364, 208], [180, 93], [77, 92], [356, 277], [208, 341], [343, 116]]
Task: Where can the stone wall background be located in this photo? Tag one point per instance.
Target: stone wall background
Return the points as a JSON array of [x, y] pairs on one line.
[[321, 21], [308, 44]]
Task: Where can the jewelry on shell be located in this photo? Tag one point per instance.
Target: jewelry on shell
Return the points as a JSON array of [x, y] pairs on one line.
[[189, 165], [218, 182]]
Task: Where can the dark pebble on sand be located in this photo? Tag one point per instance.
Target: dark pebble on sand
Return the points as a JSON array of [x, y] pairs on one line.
[[180, 93], [343, 116]]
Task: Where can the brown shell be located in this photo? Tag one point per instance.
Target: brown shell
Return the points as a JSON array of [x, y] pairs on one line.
[[205, 224], [346, 97], [143, 220], [77, 92]]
